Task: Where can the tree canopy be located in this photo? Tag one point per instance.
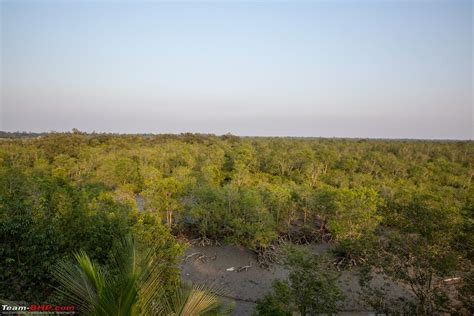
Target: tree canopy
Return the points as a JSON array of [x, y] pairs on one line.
[[411, 200]]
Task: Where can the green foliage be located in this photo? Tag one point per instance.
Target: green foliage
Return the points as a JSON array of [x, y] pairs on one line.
[[234, 213], [45, 219], [162, 195], [190, 299], [277, 303], [132, 284], [423, 251], [311, 288], [278, 200], [61, 192], [353, 213]]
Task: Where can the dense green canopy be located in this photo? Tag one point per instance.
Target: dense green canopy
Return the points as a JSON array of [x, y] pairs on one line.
[[63, 192]]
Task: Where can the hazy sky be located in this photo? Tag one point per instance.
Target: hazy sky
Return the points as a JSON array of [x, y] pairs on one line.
[[398, 69]]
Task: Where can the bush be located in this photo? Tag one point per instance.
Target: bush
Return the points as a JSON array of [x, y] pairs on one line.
[[311, 288]]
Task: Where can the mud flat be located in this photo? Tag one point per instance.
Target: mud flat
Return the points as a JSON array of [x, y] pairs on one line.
[[210, 265], [244, 287]]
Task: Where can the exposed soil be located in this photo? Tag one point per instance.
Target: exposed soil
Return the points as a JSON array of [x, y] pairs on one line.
[[209, 265]]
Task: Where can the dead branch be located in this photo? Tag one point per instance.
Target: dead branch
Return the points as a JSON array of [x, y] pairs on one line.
[[203, 241], [266, 256], [191, 255], [244, 268], [204, 258]]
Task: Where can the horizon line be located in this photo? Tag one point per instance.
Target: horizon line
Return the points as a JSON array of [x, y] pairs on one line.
[[36, 134]]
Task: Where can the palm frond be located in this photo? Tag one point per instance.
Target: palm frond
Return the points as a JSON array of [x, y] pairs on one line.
[[194, 300], [151, 288], [132, 285], [81, 283]]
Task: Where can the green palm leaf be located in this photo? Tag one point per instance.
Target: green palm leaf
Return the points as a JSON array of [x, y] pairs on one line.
[[131, 285], [190, 300]]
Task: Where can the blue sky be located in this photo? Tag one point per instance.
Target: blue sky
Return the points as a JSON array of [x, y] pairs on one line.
[[391, 69]]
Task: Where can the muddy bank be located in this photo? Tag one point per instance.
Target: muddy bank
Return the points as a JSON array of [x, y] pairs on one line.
[[210, 265], [245, 286]]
